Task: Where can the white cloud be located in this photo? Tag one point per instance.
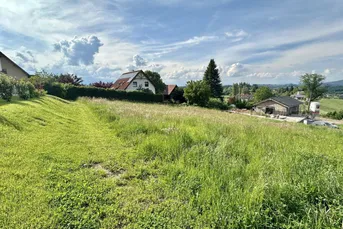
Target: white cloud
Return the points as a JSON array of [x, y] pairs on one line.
[[90, 73], [236, 70], [180, 72], [160, 50], [51, 20], [269, 41], [139, 61], [237, 35], [156, 67], [329, 71], [271, 52], [25, 56], [196, 40], [276, 75], [308, 53], [79, 50]]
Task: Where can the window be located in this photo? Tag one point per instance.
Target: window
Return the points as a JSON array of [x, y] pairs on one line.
[[146, 84], [134, 84]]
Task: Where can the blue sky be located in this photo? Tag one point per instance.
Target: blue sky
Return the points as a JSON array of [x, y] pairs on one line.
[[256, 41]]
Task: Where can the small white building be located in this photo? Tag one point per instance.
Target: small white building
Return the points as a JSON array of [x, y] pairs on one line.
[[8, 67], [134, 81], [300, 95]]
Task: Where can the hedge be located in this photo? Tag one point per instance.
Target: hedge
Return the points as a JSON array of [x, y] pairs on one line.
[[26, 90], [215, 103], [6, 87], [71, 92], [338, 115]]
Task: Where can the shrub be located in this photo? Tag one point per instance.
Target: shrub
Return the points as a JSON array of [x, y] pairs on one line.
[[215, 103], [41, 79], [22, 89], [197, 92], [56, 89], [231, 100], [146, 90], [338, 115], [27, 90], [6, 87], [178, 95], [38, 93], [32, 90], [242, 104]]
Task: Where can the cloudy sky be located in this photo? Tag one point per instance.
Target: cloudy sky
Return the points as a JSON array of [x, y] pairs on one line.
[[256, 41]]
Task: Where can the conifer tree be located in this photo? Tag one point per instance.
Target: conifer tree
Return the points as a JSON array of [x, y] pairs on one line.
[[212, 78]]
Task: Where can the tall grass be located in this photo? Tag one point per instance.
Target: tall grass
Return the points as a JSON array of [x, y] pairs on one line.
[[221, 170], [166, 167]]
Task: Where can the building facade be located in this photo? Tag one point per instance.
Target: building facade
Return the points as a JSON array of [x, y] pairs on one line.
[[283, 105], [8, 67], [134, 81]]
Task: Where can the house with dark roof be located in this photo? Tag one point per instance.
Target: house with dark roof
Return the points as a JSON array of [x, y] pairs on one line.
[[9, 67], [282, 105], [134, 81]]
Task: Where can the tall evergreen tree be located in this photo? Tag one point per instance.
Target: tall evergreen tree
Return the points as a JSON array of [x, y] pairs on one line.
[[212, 78]]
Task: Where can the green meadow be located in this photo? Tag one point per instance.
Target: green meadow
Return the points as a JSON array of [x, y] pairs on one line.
[[330, 105], [95, 163]]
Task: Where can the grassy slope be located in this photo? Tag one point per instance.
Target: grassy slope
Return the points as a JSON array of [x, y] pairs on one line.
[[329, 105], [176, 167]]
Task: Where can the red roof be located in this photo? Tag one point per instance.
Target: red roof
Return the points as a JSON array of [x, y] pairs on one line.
[[121, 84], [169, 89]]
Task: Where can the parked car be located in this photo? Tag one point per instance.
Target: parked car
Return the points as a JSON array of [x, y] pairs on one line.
[[323, 123]]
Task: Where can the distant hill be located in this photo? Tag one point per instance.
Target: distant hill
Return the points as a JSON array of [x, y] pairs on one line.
[[334, 83], [276, 86], [338, 83], [272, 86]]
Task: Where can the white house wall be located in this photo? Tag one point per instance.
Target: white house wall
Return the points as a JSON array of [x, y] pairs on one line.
[[12, 70], [141, 79]]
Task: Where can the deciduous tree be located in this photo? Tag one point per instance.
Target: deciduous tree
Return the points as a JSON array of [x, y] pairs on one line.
[[235, 89], [263, 93], [156, 80], [69, 79], [197, 92], [312, 85], [101, 84]]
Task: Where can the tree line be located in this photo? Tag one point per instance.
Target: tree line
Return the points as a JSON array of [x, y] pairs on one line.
[[208, 92], [209, 89]]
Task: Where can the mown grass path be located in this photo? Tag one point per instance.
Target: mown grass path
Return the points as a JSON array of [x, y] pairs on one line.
[[47, 146]]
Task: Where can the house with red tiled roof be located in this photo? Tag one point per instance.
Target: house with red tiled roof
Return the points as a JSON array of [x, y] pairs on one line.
[[134, 81], [168, 91]]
